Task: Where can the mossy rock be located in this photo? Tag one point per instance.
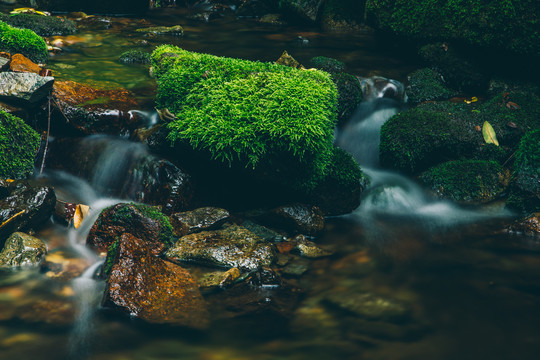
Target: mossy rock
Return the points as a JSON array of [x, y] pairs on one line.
[[330, 65], [458, 72], [342, 15], [263, 116], [426, 85], [436, 132], [525, 187], [467, 181], [23, 41], [510, 24], [41, 25], [135, 57], [18, 146]]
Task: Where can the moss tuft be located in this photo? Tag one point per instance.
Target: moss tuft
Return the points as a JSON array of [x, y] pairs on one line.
[[258, 115], [426, 85], [23, 41], [18, 146], [112, 255], [41, 25], [525, 187], [475, 181], [135, 57]]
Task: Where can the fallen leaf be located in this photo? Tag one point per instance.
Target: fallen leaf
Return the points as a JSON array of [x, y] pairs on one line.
[[512, 125], [512, 105], [489, 134], [473, 99], [478, 128], [11, 218], [80, 212]]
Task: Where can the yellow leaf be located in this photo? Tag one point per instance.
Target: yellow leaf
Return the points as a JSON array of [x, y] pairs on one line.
[[489, 134], [473, 99], [11, 218], [80, 212]]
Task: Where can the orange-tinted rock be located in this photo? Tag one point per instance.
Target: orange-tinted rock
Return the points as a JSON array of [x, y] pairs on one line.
[[20, 63], [152, 289], [529, 225], [90, 111]]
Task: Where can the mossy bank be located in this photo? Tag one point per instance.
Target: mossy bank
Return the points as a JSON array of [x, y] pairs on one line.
[[23, 41]]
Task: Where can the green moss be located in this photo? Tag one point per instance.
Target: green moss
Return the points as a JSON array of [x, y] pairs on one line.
[[112, 255], [349, 94], [333, 66], [23, 41], [253, 114], [124, 214], [525, 187], [426, 85], [435, 132], [135, 57], [18, 146], [344, 172], [41, 25], [506, 24], [474, 181]]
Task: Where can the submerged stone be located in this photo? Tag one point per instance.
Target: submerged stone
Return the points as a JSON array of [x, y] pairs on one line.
[[163, 30], [231, 247], [297, 218], [22, 249], [200, 219], [152, 289], [530, 225], [218, 279]]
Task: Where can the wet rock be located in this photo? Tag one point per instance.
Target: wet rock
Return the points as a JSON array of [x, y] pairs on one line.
[[41, 25], [287, 60], [265, 233], [231, 247], [265, 277], [20, 63], [296, 267], [218, 279], [96, 6], [296, 218], [379, 87], [87, 110], [163, 30], [309, 249], [25, 207], [134, 57], [144, 221], [369, 306], [530, 225], [25, 87], [64, 265], [152, 289], [346, 16], [4, 63], [200, 219], [22, 249]]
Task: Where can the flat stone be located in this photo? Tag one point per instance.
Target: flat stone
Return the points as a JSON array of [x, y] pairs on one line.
[[231, 247], [205, 218], [22, 249], [25, 87], [370, 306]]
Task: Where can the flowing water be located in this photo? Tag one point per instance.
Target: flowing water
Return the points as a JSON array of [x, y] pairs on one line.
[[465, 289]]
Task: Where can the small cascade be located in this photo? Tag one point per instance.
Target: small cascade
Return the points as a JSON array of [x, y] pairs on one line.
[[390, 194]]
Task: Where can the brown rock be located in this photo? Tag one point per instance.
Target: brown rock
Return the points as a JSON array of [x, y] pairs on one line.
[[20, 63], [152, 289], [90, 111], [529, 225], [142, 220]]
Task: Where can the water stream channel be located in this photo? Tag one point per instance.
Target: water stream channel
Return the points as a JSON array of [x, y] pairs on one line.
[[465, 289]]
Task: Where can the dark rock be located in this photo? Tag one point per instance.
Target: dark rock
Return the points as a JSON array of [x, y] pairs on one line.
[[265, 277], [20, 63], [525, 185], [96, 6], [135, 57], [343, 15], [41, 25], [330, 65], [467, 181], [263, 232], [530, 225], [125, 170], [296, 218], [25, 207], [143, 285], [379, 87], [146, 222], [305, 9], [86, 110], [4, 63], [25, 87], [426, 85], [163, 30], [205, 218], [233, 246], [22, 249]]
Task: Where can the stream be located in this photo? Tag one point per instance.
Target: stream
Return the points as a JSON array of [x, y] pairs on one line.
[[461, 289]]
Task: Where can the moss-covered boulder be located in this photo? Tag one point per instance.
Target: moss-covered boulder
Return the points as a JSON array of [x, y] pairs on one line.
[[525, 187], [18, 147], [40, 24], [436, 132], [467, 181], [23, 41], [275, 120], [510, 24], [426, 85], [134, 57]]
